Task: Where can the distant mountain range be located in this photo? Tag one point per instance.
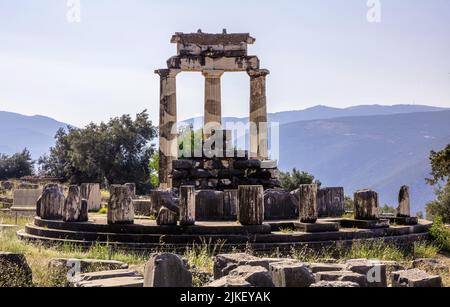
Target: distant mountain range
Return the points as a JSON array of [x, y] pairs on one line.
[[379, 147], [33, 132], [323, 112]]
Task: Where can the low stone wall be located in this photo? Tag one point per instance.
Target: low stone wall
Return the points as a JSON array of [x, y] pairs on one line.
[[26, 198], [225, 174]]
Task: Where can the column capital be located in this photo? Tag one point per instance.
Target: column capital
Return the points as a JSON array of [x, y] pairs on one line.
[[212, 73], [167, 73], [256, 73]]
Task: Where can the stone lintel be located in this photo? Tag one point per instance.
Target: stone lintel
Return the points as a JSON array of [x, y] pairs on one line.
[[209, 39], [200, 63]]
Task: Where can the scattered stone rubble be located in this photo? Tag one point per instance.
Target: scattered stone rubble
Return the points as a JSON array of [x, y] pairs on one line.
[[230, 270]]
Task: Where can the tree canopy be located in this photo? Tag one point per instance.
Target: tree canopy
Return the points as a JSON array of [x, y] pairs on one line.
[[16, 166], [440, 172], [116, 152], [292, 181]]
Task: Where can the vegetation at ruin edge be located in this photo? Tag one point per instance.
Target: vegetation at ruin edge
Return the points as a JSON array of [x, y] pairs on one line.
[[201, 257]]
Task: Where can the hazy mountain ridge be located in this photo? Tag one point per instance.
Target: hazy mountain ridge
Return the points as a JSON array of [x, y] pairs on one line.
[[381, 152], [33, 132], [360, 147]]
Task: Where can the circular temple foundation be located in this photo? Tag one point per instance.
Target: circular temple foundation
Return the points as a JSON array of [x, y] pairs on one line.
[[275, 235]]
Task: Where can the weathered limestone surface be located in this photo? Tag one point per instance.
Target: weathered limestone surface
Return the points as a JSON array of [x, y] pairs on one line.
[[167, 217], [335, 284], [415, 278], [280, 204], [120, 206], [259, 143], [366, 205], [168, 143], [132, 187], [325, 267], [330, 202], [110, 279], [230, 282], [169, 209], [143, 207], [375, 271], [230, 204], [251, 205], [14, 271], [308, 203], [257, 276], [63, 265], [167, 270], [404, 206], [431, 265], [187, 205], [91, 192], [74, 211], [209, 205], [51, 203], [26, 198], [291, 275], [342, 276]]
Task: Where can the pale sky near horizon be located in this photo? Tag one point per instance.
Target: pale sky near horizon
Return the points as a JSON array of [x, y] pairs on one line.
[[318, 51]]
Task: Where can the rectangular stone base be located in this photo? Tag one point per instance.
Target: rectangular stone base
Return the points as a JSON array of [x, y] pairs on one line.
[[365, 224], [404, 221], [317, 227]]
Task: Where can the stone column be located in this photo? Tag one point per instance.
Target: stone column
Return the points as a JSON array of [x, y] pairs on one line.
[[120, 206], [309, 212], [259, 143], [213, 101], [404, 206], [168, 131], [187, 205], [251, 205], [366, 205]]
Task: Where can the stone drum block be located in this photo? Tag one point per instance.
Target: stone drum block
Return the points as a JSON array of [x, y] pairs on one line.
[[91, 192], [366, 205], [187, 205], [308, 203], [251, 205], [404, 206], [120, 206], [74, 211], [51, 203], [331, 202], [167, 271]]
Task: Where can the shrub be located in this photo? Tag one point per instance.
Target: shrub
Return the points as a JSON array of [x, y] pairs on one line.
[[440, 234]]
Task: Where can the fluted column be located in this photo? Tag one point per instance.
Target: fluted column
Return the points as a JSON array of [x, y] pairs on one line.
[[213, 100], [168, 142], [259, 143]]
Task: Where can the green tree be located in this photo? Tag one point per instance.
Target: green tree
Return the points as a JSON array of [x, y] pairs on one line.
[[440, 208], [154, 170], [292, 181], [116, 152], [16, 166], [440, 166], [440, 173]]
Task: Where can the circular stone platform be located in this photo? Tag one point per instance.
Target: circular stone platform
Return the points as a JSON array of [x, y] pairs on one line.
[[146, 235]]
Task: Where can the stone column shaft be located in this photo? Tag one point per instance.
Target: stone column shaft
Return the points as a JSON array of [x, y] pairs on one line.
[[259, 143], [213, 100], [167, 125]]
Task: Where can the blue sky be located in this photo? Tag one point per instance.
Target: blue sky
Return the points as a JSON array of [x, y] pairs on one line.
[[319, 52]]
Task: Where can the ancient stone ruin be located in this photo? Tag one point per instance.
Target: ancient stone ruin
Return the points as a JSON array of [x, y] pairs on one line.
[[225, 196]]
